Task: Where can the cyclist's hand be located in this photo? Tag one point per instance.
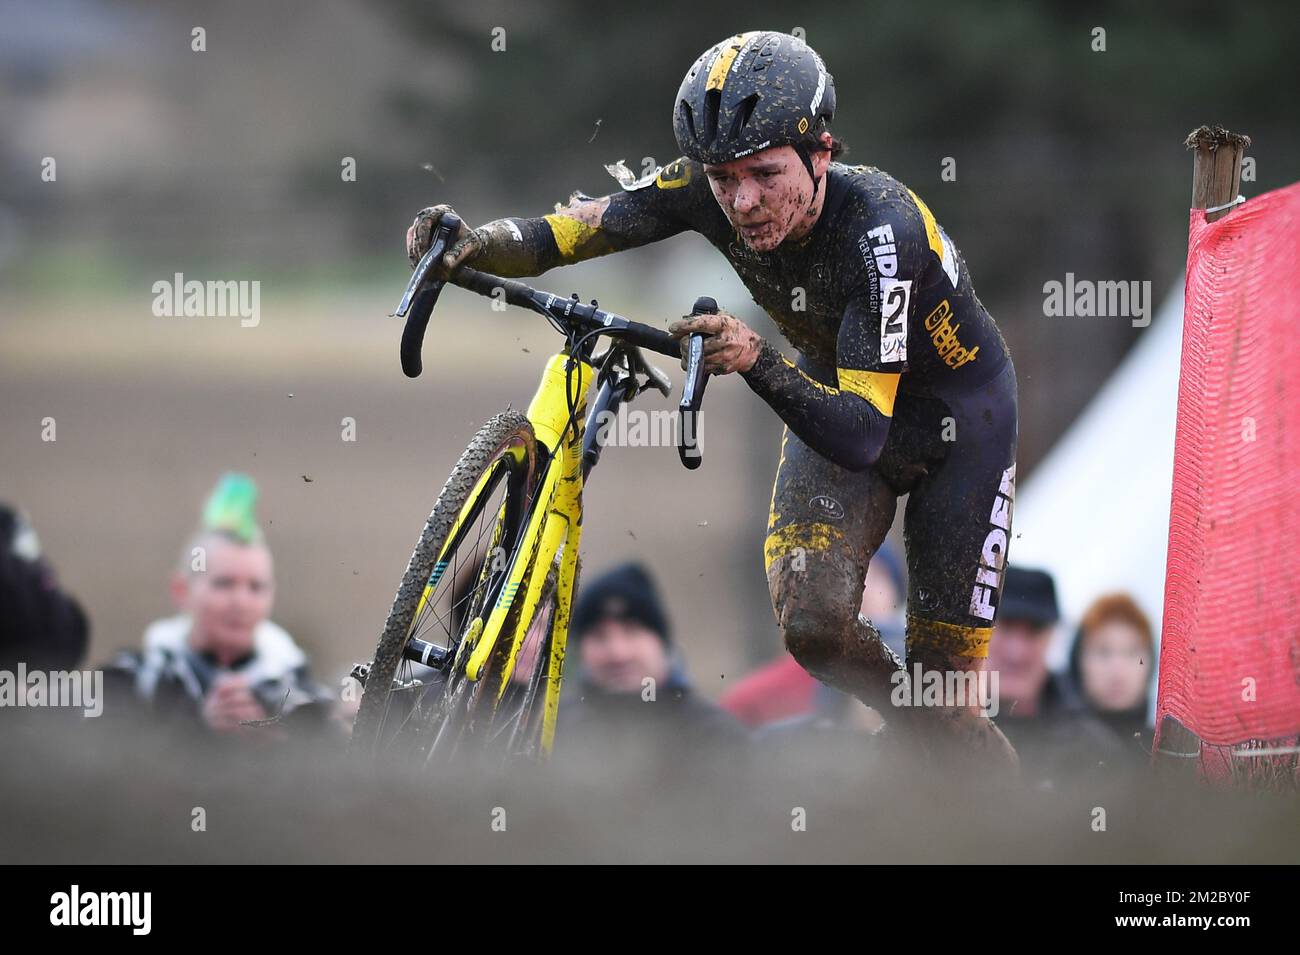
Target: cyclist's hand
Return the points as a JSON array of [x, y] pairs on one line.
[[731, 345], [419, 236]]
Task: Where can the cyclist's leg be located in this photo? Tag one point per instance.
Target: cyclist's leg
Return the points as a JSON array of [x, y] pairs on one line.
[[957, 528], [825, 523]]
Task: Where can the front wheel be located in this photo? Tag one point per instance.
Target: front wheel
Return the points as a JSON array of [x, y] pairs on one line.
[[453, 577]]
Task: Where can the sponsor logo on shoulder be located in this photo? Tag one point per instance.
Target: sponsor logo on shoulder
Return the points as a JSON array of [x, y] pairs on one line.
[[883, 249]]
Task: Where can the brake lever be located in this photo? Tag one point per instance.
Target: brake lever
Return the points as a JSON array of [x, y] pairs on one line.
[[448, 226], [421, 295], [688, 418]]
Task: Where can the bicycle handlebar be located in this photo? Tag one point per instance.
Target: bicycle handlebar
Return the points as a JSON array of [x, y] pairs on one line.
[[422, 294]]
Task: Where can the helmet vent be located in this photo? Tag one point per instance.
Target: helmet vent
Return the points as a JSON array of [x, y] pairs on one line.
[[743, 112], [690, 119], [712, 103]]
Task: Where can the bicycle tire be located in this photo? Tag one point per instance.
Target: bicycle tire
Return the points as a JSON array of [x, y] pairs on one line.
[[498, 443]]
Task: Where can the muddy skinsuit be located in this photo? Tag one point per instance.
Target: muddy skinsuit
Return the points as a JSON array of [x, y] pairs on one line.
[[903, 385]]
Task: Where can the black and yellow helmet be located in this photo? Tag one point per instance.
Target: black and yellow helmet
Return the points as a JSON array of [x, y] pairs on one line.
[[750, 92]]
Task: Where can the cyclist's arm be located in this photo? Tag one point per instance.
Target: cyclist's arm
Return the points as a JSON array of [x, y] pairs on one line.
[[847, 424], [587, 227]]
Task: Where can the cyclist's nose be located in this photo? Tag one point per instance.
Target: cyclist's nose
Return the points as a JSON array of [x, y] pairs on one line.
[[747, 196]]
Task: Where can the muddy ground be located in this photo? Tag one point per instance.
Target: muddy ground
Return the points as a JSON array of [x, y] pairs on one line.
[[89, 794]]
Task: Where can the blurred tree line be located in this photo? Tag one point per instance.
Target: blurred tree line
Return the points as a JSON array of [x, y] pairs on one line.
[[1067, 158]]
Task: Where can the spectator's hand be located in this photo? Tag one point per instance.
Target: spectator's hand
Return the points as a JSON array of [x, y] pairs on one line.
[[731, 346], [420, 235], [229, 703]]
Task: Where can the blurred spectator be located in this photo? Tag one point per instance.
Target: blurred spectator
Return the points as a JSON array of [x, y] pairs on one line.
[[40, 625], [775, 692], [221, 662], [783, 690], [1038, 710], [631, 687], [1111, 665]]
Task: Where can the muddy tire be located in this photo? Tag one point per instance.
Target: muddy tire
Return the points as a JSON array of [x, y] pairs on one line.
[[507, 444]]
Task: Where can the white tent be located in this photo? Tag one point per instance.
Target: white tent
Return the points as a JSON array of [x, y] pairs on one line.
[[1095, 511]]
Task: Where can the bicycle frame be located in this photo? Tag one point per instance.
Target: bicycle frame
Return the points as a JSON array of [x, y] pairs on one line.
[[553, 529], [553, 524]]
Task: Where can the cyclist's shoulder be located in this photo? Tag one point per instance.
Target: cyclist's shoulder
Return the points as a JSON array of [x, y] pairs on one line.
[[873, 197], [888, 220]]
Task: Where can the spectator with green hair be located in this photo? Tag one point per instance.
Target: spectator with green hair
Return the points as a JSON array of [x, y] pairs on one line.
[[221, 661]]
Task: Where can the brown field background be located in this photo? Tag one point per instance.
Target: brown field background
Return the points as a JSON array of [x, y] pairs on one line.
[[150, 410]]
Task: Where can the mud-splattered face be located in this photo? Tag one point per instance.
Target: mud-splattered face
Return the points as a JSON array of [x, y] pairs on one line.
[[767, 195]]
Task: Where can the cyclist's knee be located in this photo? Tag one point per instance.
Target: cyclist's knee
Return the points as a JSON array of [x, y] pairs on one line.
[[815, 637], [814, 606]]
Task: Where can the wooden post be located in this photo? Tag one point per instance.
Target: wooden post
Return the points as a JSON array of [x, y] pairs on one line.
[[1216, 170]]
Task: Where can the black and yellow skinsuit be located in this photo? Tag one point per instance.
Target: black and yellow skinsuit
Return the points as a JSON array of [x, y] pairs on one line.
[[903, 385]]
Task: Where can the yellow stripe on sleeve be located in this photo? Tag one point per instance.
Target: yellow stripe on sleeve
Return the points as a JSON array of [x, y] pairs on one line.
[[878, 387], [931, 227], [570, 234]]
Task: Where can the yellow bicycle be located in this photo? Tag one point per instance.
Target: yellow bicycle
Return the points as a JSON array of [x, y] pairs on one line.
[[472, 654]]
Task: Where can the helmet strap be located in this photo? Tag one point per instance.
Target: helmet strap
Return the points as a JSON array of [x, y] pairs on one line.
[[802, 150]]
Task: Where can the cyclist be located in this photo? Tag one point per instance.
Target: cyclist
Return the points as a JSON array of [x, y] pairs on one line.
[[902, 384]]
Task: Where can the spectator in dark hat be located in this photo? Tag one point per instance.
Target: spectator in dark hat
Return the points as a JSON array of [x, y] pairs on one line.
[[1111, 663], [41, 625], [1040, 713], [1026, 616], [631, 687]]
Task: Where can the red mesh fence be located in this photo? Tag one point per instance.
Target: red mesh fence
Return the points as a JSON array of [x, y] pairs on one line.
[[1230, 645]]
